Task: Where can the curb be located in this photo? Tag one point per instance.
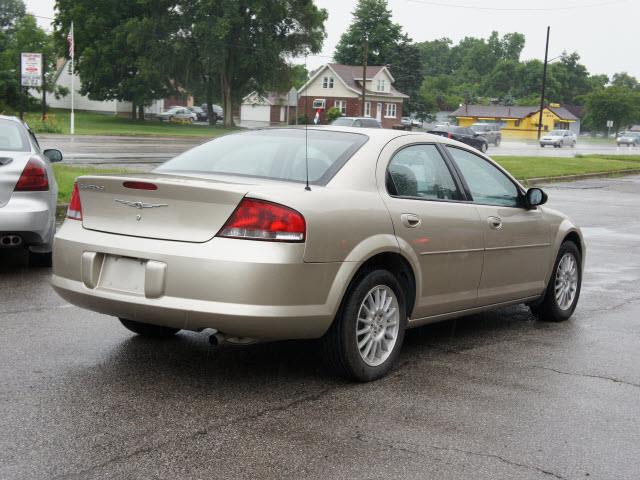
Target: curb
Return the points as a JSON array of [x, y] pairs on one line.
[[582, 176]]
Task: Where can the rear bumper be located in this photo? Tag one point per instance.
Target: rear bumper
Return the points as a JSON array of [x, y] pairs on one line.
[[30, 215], [242, 288]]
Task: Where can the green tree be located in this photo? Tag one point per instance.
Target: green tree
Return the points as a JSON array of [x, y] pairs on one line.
[[570, 79], [624, 80], [621, 105], [246, 43], [10, 12], [123, 48], [371, 20], [436, 55], [406, 65]]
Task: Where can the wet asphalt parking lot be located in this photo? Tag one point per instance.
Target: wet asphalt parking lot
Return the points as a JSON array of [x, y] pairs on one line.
[[493, 396]]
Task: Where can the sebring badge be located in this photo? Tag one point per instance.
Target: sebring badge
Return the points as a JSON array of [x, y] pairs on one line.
[[140, 205]]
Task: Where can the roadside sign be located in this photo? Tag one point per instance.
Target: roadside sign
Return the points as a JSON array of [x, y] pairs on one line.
[[31, 69], [292, 97], [609, 123]]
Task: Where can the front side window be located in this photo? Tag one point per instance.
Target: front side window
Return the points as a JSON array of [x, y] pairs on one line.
[[487, 184], [391, 110], [419, 171]]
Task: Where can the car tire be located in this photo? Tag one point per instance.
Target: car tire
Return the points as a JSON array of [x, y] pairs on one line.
[[148, 329], [348, 346], [484, 147], [573, 144], [542, 145], [497, 142], [40, 260], [554, 307]]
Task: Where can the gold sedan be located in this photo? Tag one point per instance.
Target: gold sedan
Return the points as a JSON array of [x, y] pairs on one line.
[[343, 234]]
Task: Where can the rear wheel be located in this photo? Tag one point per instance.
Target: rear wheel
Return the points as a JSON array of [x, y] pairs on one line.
[[365, 339], [148, 330], [563, 290], [484, 147], [497, 142]]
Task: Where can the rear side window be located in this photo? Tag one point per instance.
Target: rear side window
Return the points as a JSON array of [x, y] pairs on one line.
[[13, 137], [278, 154], [487, 184], [419, 171]]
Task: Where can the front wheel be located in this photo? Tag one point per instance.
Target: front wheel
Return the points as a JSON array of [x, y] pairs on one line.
[[484, 147], [148, 329], [365, 339], [497, 142], [563, 290]]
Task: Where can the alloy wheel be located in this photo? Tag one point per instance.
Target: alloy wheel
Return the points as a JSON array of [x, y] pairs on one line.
[[566, 284], [378, 325]]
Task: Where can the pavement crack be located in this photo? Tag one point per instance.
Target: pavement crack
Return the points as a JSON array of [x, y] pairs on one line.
[[312, 397], [418, 450], [537, 367]]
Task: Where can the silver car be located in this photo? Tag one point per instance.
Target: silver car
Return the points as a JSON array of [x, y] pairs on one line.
[[394, 230], [559, 139], [178, 113], [630, 139], [28, 192]]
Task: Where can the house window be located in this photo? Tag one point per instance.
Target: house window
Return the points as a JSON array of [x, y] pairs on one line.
[[327, 82], [318, 103], [367, 109], [517, 124], [381, 85], [391, 110], [342, 105]]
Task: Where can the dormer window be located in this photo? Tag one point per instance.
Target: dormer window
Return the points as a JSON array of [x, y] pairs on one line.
[[327, 82], [381, 87]]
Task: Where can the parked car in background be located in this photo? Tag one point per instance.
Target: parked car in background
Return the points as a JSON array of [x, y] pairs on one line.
[[630, 139], [462, 134], [177, 113], [559, 139], [200, 113], [413, 122], [364, 122], [217, 110], [28, 192], [409, 230], [490, 131]]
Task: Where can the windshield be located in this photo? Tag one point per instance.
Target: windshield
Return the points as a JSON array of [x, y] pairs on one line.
[[557, 133], [630, 134], [13, 137], [342, 122], [277, 154]]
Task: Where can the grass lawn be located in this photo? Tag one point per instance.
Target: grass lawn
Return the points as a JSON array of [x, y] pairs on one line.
[[66, 175], [97, 124], [524, 168]]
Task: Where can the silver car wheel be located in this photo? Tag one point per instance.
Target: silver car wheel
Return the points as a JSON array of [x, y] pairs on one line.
[[566, 284], [378, 325]]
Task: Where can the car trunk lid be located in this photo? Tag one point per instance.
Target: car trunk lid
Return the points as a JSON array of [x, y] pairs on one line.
[[178, 208], [11, 166]]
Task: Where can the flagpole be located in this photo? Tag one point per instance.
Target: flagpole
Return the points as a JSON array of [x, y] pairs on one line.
[[73, 90]]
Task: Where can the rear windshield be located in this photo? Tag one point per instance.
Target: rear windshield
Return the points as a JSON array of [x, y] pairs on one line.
[[277, 154], [13, 137]]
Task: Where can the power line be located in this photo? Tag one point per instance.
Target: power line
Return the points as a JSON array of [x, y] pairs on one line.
[[507, 9]]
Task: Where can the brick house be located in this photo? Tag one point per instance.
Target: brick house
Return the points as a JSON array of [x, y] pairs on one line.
[[336, 85]]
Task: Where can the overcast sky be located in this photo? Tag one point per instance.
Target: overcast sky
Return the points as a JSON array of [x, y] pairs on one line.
[[603, 32]]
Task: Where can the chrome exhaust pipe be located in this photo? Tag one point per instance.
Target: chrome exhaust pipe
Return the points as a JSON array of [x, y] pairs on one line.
[[10, 241]]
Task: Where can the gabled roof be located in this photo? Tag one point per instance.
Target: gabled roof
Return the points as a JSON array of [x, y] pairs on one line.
[[502, 111], [351, 75], [272, 98]]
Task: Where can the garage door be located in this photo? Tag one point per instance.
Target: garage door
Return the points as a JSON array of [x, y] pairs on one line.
[[255, 113]]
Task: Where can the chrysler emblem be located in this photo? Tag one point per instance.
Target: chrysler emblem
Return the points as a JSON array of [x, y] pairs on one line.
[[140, 205]]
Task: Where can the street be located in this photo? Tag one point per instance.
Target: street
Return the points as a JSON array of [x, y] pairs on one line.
[[147, 152], [493, 396]]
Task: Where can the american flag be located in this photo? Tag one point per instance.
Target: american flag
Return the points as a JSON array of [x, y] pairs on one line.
[[70, 41]]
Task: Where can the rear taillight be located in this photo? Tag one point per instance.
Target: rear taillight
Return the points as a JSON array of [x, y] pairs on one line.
[[261, 220], [449, 135], [140, 185], [34, 177], [74, 211]]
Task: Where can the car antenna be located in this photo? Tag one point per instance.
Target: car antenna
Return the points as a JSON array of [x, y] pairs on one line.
[[306, 133]]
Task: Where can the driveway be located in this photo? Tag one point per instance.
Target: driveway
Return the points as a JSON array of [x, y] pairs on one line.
[[494, 396]]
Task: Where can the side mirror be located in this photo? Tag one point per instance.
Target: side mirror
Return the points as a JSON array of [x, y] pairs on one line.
[[535, 197], [53, 155]]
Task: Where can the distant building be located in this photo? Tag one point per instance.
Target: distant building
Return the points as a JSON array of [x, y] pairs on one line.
[[82, 102], [634, 128], [268, 108], [519, 122], [336, 85]]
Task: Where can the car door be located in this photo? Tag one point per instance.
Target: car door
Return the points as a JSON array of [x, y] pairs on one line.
[[517, 241], [433, 224]]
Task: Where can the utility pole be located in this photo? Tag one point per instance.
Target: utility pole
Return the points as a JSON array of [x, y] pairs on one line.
[[20, 87], [544, 83], [364, 71]]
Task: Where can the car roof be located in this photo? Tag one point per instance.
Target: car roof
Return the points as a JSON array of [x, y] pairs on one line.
[[11, 118]]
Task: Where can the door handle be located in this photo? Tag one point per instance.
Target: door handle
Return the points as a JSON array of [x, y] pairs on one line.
[[410, 220], [495, 222]]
